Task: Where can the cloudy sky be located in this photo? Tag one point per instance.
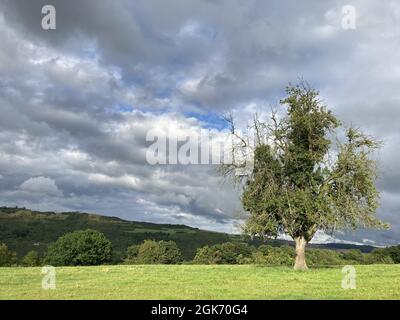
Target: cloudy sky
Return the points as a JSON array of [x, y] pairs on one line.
[[76, 102]]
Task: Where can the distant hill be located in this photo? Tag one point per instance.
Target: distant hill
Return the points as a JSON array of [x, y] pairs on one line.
[[23, 230]]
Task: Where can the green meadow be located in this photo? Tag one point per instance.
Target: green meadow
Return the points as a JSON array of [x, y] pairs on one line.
[[200, 282]]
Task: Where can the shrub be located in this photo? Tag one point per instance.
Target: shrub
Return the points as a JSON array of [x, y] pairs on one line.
[[208, 255], [378, 256], [276, 256], [131, 253], [283, 256], [225, 253], [232, 251], [394, 253], [324, 257], [353, 256], [7, 257], [154, 252], [80, 248], [264, 249], [31, 259]]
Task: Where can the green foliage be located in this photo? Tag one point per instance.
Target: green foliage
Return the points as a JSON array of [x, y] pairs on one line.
[[379, 256], [80, 248], [321, 257], [24, 230], [31, 259], [225, 253], [31, 224], [208, 255], [273, 256], [154, 252], [353, 256], [7, 257], [297, 186], [241, 253], [393, 252], [294, 187], [131, 253]]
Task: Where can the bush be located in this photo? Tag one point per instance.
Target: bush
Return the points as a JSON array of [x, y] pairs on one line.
[[353, 256], [234, 251], [378, 256], [208, 255], [80, 248], [154, 252], [324, 257], [7, 257], [225, 253], [131, 253], [314, 257], [275, 256], [394, 253], [31, 259]]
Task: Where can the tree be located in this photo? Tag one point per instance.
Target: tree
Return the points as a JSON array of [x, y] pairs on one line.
[[7, 257], [324, 257], [80, 248], [158, 252], [393, 252], [275, 256], [131, 253], [208, 255], [300, 181], [31, 259], [224, 253], [355, 256], [378, 256]]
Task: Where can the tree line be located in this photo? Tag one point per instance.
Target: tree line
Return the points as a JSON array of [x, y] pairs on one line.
[[91, 247]]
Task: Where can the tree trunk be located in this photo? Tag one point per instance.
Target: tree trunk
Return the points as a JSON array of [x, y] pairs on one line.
[[300, 263]]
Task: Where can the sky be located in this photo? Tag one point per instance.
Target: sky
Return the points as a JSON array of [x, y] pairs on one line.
[[77, 102]]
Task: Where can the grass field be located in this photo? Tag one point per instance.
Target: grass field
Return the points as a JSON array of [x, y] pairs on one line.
[[200, 282]]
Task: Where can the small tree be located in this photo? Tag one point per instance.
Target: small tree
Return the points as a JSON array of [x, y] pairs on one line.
[[161, 252], [208, 255], [299, 184], [131, 253], [7, 257], [378, 256], [353, 255], [31, 259], [224, 253], [80, 248], [393, 252]]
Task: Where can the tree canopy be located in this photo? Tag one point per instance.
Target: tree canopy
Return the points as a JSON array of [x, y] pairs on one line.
[[80, 248], [154, 252], [302, 181]]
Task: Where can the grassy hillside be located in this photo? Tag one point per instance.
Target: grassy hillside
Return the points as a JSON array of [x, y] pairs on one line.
[[23, 230], [200, 282]]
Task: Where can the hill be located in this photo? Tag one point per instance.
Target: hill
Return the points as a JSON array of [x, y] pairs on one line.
[[24, 230]]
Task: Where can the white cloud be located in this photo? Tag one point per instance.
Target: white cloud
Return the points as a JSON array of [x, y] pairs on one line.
[[41, 185]]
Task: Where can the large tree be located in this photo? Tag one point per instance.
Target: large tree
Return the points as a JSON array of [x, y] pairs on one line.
[[301, 181], [80, 248]]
